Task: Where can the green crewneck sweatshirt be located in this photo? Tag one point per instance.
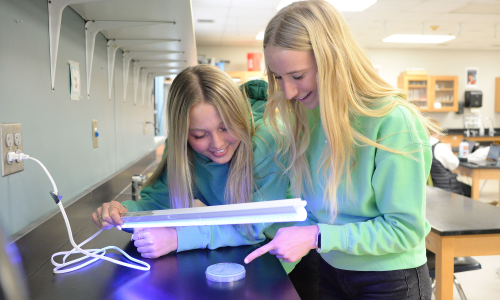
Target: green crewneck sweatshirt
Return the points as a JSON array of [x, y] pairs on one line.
[[211, 178], [381, 225]]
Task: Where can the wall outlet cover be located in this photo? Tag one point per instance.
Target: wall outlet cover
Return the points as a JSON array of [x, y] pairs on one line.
[[11, 141]]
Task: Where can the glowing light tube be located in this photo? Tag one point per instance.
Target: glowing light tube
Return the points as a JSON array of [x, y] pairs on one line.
[[289, 210]]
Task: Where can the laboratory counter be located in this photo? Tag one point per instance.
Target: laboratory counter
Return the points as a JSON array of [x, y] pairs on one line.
[[174, 276]]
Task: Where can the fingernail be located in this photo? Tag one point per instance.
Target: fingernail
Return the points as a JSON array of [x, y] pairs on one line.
[[246, 261], [118, 227]]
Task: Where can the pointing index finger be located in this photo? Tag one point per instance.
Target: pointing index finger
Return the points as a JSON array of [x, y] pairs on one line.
[[260, 251]]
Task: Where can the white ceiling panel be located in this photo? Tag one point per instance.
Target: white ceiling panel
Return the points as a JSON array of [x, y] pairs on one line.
[[262, 4], [211, 3], [373, 15], [415, 16], [471, 21], [480, 8], [490, 19], [211, 13], [251, 12], [393, 5], [437, 6], [453, 17]]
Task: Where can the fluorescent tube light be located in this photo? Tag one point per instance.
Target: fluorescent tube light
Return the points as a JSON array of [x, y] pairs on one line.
[[260, 36], [418, 38], [342, 5], [290, 210]]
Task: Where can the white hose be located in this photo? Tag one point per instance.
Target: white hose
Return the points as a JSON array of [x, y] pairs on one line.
[[95, 253]]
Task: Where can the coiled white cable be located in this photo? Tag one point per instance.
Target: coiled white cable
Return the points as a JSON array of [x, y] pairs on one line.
[[95, 253]]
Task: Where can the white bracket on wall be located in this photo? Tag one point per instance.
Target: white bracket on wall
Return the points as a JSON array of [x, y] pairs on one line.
[[154, 63], [150, 81], [154, 74], [127, 57], [137, 69], [92, 28], [144, 76], [126, 66], [113, 46], [162, 70], [56, 8], [166, 73], [141, 54], [148, 75]]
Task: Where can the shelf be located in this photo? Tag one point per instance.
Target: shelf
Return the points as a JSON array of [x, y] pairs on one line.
[[445, 90], [417, 86], [134, 26]]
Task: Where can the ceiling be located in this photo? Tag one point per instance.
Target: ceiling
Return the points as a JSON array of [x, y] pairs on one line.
[[237, 22]]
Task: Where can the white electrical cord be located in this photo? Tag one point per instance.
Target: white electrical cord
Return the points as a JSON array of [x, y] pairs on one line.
[[95, 253]]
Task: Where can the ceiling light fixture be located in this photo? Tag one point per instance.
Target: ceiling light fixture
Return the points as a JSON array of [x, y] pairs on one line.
[[418, 38], [342, 5], [260, 36]]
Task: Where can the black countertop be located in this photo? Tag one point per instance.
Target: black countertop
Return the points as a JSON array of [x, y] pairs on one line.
[[453, 214], [174, 276], [472, 165], [461, 131]]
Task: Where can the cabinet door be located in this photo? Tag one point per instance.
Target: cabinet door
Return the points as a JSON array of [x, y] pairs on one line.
[[417, 87], [444, 93]]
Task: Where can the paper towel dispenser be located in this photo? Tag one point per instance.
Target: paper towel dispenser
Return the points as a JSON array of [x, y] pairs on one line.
[[473, 98]]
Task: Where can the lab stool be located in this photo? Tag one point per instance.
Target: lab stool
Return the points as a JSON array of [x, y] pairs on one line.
[[461, 264]]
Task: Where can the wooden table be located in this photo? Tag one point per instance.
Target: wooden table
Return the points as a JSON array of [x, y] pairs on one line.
[[477, 172], [460, 227], [174, 276]]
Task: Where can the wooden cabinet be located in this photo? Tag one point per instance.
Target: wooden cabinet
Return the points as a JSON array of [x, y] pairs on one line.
[[417, 88], [431, 93]]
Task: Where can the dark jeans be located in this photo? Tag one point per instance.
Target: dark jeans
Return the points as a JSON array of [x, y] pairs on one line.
[[397, 285], [305, 276]]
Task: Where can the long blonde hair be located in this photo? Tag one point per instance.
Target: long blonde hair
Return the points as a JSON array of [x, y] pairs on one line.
[[206, 84], [348, 87]]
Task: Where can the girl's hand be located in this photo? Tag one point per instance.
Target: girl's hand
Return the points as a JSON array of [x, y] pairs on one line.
[[289, 244], [108, 215], [155, 241]]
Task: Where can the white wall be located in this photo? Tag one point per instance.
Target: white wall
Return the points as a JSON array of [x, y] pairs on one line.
[[57, 130], [393, 62]]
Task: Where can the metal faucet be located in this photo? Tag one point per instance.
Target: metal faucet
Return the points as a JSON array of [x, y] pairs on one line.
[[491, 130]]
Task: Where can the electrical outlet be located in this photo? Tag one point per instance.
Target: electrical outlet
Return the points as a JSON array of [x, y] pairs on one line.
[[11, 140], [95, 134]]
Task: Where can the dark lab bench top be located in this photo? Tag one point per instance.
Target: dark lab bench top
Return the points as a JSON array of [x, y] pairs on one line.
[[174, 276], [461, 131], [472, 165], [452, 214]]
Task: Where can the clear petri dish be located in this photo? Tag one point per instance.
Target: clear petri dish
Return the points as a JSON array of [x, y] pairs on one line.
[[225, 272]]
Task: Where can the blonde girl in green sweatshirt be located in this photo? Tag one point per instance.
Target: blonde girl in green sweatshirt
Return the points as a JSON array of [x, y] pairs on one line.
[[359, 154], [217, 151]]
